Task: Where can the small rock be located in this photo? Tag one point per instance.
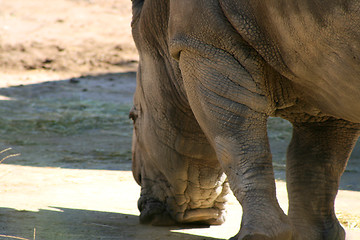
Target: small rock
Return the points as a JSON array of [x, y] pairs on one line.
[[74, 80]]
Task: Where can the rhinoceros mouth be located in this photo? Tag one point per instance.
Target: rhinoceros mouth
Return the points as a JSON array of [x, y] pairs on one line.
[[207, 216], [157, 213], [174, 210]]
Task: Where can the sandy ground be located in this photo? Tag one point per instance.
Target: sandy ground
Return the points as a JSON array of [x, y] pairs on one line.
[[101, 204], [67, 75]]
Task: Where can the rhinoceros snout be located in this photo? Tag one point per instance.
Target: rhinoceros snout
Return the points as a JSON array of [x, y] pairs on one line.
[[184, 209], [154, 212]]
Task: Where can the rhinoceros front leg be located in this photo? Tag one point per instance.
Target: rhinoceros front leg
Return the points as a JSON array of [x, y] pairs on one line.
[[317, 157], [229, 109]]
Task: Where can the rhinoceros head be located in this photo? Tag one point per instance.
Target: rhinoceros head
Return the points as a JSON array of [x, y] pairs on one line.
[[180, 177]]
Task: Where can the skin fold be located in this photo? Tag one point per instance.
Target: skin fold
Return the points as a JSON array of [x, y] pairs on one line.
[[210, 74]]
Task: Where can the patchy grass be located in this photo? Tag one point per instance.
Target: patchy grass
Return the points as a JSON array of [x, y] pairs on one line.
[[64, 118], [105, 155], [69, 133]]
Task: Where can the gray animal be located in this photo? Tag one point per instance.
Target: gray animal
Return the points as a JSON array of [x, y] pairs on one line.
[[210, 74]]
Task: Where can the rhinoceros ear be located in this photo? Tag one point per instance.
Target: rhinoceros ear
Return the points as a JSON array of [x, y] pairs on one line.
[[137, 4], [134, 2], [136, 10]]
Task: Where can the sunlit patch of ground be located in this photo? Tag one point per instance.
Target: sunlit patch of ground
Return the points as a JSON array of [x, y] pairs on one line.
[[89, 204]]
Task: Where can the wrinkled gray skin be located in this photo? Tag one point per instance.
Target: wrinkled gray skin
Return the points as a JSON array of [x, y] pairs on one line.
[[211, 72]]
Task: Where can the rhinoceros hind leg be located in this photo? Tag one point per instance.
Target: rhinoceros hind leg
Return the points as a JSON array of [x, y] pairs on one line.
[[317, 157], [285, 235]]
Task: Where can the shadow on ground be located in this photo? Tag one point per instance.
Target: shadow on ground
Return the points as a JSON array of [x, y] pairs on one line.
[[65, 223], [82, 123], [79, 123]]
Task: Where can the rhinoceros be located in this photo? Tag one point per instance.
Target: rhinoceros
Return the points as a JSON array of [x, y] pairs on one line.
[[210, 74]]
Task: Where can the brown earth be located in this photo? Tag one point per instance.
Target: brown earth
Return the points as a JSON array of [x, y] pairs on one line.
[[67, 75]]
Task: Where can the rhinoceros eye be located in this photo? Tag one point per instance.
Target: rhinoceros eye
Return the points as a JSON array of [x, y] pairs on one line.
[[133, 114]]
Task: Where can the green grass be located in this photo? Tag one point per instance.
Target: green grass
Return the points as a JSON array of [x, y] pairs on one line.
[[38, 126], [63, 117]]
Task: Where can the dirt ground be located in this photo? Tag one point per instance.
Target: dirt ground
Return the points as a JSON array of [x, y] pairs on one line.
[[67, 75]]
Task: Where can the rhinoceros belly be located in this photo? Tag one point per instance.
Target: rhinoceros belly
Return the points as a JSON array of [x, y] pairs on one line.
[[320, 46]]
